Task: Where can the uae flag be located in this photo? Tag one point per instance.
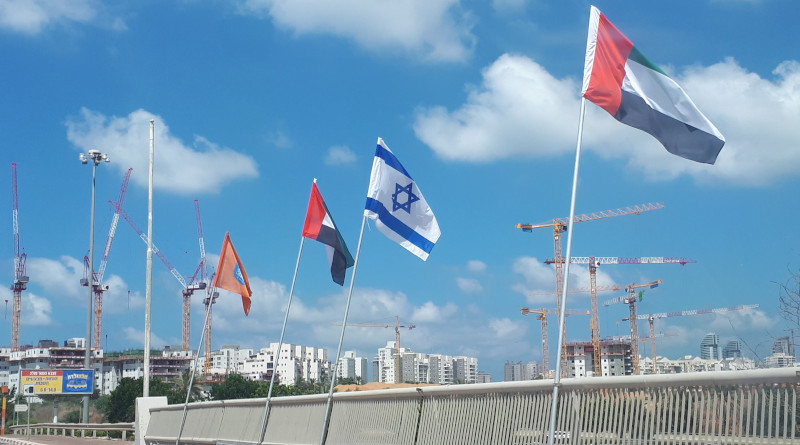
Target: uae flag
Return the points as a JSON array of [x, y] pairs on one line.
[[620, 80], [320, 226]]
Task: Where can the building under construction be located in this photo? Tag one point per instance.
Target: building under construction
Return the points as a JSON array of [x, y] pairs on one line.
[[615, 358]]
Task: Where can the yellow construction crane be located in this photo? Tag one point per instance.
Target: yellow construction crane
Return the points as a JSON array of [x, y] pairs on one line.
[[560, 225], [630, 300], [398, 360], [651, 319], [542, 315], [595, 317]]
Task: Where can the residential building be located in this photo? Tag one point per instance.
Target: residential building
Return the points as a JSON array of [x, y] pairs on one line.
[[353, 367], [424, 368], [515, 371], [615, 358]]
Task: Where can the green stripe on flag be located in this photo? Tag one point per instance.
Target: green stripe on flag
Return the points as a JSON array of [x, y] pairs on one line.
[[639, 58]]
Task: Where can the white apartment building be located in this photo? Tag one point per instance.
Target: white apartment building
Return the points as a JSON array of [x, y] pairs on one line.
[[353, 367], [229, 359], [424, 368], [294, 362]]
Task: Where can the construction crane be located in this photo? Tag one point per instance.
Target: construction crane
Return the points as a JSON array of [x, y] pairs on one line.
[[197, 281], [97, 277], [398, 361], [20, 279], [542, 316], [630, 300], [188, 288], [652, 317], [211, 292], [560, 225], [594, 263]]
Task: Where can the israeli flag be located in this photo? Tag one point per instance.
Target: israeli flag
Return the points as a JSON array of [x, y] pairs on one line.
[[396, 204]]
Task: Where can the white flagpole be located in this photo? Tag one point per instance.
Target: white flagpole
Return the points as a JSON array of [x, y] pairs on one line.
[[149, 277], [280, 342], [210, 291], [562, 316], [341, 338]]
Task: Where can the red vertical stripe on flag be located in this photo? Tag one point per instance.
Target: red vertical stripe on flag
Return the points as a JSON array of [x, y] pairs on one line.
[[608, 69], [316, 214]]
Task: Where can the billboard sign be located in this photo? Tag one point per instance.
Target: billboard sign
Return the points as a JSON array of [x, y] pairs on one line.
[[52, 382]]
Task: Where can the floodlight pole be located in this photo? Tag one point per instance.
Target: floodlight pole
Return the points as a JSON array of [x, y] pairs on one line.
[[95, 157]]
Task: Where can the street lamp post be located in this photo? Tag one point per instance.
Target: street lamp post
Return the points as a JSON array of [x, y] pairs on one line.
[[95, 157]]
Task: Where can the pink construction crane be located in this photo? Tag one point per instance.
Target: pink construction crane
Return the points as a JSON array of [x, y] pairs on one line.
[[20, 279], [188, 288], [97, 277]]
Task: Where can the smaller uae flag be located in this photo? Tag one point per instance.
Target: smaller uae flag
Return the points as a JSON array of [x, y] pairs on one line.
[[320, 226]]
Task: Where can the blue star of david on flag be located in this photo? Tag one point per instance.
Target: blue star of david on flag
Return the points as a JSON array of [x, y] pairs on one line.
[[398, 190]]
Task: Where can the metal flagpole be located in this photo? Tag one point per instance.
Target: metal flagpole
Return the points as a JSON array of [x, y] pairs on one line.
[[210, 290], [149, 277], [562, 316], [341, 338], [280, 343]]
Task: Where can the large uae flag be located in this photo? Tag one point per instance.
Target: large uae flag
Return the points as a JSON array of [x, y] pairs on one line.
[[621, 80]]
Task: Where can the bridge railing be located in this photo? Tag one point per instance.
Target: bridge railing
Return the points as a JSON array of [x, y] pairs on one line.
[[759, 406], [73, 429]]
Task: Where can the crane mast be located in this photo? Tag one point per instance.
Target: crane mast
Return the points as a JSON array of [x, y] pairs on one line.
[[195, 283], [20, 278], [560, 225]]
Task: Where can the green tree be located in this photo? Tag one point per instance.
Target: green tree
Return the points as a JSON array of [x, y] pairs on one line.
[[234, 387], [121, 405]]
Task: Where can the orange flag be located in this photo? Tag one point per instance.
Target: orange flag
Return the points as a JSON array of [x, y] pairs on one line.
[[231, 275]]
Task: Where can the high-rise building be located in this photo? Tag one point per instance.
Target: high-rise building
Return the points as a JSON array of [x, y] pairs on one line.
[[709, 347], [783, 345], [733, 349]]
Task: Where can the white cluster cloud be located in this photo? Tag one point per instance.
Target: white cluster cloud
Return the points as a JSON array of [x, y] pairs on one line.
[[439, 30], [36, 310], [340, 155], [469, 285], [521, 110], [476, 266], [31, 17], [202, 168], [540, 278]]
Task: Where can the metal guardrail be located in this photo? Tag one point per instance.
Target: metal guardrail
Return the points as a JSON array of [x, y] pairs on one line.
[[62, 429], [727, 407]]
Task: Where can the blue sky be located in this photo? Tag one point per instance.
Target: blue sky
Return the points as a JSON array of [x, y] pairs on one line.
[[479, 100]]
